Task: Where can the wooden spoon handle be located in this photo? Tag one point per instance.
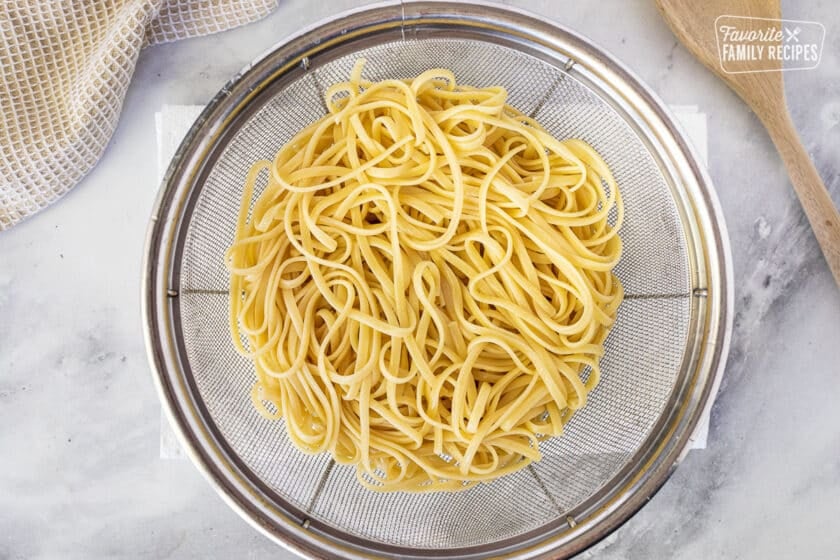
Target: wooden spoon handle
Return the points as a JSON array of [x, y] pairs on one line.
[[817, 203]]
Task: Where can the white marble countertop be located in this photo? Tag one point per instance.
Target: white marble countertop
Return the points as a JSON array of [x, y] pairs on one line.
[[80, 474]]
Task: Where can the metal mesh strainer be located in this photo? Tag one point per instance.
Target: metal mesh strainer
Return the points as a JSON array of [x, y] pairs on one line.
[[661, 357]]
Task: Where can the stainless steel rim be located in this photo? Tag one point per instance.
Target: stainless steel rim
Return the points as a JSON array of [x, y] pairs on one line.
[[711, 279]]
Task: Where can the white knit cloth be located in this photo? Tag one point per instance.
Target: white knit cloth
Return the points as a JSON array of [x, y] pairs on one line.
[[65, 66]]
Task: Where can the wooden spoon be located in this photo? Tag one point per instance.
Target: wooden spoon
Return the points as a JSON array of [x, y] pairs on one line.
[[694, 23]]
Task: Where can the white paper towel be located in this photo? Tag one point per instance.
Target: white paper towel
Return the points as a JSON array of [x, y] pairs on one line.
[[173, 122]]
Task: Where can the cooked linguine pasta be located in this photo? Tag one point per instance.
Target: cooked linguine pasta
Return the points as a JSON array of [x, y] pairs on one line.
[[425, 283]]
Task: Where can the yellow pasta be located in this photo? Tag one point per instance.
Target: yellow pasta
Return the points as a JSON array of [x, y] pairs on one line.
[[423, 281]]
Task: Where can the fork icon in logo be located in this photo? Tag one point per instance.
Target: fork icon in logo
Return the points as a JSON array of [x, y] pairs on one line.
[[791, 35]]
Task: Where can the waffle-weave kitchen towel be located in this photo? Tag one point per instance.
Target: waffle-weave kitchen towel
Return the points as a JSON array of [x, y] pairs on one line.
[[65, 66]]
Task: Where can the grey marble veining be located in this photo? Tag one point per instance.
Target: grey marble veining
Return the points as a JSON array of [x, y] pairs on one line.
[[80, 475]]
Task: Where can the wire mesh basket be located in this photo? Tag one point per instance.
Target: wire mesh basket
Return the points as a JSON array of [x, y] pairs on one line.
[[661, 358]]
